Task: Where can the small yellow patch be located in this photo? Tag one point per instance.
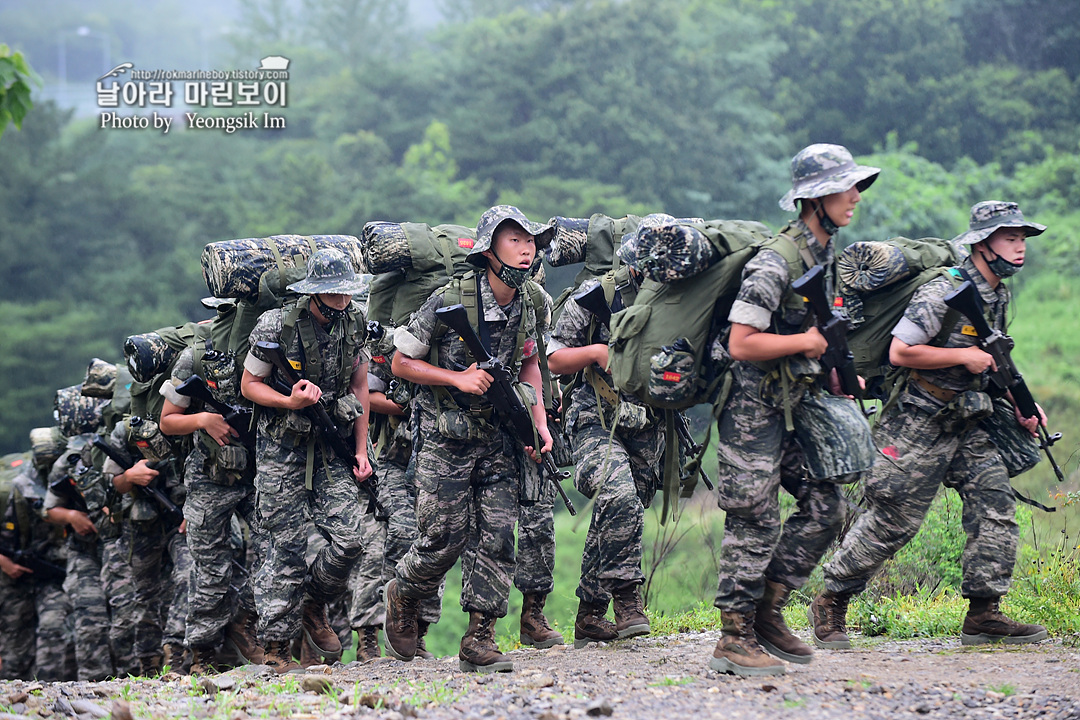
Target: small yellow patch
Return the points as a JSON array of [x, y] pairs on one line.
[[969, 330], [295, 364]]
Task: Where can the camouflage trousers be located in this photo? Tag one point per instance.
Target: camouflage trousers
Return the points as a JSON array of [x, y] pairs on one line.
[[89, 609], [620, 475], [757, 456], [366, 580], [459, 480], [119, 585], [35, 641], [897, 497], [158, 558], [534, 573], [397, 492], [285, 506], [218, 586]]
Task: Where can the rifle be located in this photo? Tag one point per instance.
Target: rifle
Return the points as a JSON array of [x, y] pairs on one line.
[[502, 394], [173, 514], [834, 327], [1006, 379], [321, 420], [593, 301], [238, 416], [42, 569]]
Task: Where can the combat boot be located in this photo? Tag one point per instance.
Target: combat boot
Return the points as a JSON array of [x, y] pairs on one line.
[[202, 660], [771, 630], [534, 629], [421, 646], [176, 657], [591, 625], [241, 639], [738, 652], [318, 633], [279, 658], [367, 643], [479, 653], [400, 626], [985, 623], [150, 666], [630, 619], [828, 618]]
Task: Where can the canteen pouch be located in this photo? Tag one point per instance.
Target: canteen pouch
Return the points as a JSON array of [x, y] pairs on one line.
[[672, 378], [346, 409], [965, 410], [459, 425], [1018, 448]]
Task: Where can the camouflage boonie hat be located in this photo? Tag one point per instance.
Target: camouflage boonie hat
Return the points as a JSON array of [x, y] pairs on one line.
[[823, 169], [329, 272], [100, 379], [47, 444], [496, 216], [989, 215]]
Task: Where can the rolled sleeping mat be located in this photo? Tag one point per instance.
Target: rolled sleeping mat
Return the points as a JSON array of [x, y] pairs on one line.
[[147, 355], [388, 246], [47, 444], [76, 413], [568, 244], [865, 266], [100, 379], [232, 268]]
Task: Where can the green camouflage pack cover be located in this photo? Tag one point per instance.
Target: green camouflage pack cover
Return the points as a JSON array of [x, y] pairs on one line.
[[74, 412], [100, 379]]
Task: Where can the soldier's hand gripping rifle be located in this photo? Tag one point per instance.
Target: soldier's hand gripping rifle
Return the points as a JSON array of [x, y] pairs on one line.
[[238, 416], [834, 327], [42, 569], [502, 394], [1006, 378], [172, 513], [322, 422], [65, 488], [593, 300]]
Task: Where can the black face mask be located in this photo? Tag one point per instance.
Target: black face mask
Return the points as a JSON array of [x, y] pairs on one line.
[[331, 314], [1002, 267], [824, 220], [513, 277]]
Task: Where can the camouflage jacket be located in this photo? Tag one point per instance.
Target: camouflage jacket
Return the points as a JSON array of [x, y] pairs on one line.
[[414, 339], [926, 312]]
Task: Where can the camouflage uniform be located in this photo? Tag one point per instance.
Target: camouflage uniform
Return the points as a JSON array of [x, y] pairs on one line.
[[758, 456], [915, 432], [214, 493], [158, 559], [621, 476], [84, 584], [35, 641], [284, 498], [462, 460]]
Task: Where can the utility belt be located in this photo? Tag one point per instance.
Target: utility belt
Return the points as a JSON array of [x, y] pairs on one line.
[[935, 391]]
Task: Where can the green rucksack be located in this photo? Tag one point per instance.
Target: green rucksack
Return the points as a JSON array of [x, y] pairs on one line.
[[876, 283], [10, 467], [661, 346], [409, 261]]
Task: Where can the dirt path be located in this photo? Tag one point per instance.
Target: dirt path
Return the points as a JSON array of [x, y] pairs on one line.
[[645, 678]]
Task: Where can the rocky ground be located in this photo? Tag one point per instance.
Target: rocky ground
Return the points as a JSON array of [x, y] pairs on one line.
[[652, 677]]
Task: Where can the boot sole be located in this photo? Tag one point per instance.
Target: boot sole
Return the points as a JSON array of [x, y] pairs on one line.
[[634, 631], [726, 666], [825, 644], [580, 643], [985, 639], [504, 666], [777, 652], [527, 640]]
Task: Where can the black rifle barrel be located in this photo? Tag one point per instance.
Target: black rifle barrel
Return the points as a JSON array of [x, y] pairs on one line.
[[238, 417], [173, 514], [501, 393], [325, 425], [833, 326]]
